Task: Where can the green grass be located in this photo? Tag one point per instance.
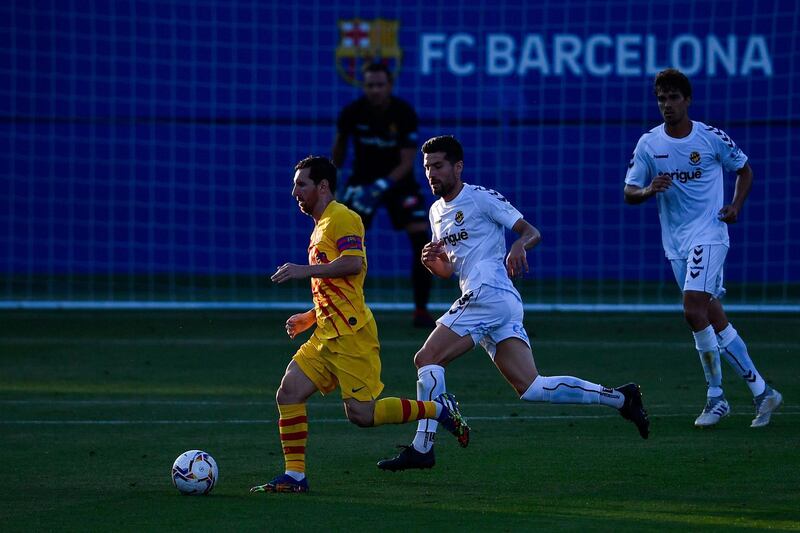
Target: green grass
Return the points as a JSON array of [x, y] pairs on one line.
[[95, 406]]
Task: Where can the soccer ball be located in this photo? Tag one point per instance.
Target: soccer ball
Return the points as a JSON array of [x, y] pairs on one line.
[[194, 472]]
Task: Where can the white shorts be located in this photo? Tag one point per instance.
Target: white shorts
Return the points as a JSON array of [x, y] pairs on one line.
[[489, 315], [702, 270]]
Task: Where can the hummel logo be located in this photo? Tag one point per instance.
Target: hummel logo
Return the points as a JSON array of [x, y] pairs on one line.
[[694, 274], [660, 156]]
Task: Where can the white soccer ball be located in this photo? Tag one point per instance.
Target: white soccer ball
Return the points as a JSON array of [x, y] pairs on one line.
[[194, 472]]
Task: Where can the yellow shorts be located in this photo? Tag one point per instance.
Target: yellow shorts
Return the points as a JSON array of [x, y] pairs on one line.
[[351, 361]]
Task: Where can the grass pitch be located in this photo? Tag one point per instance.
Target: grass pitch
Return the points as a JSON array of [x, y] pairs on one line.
[[95, 406]]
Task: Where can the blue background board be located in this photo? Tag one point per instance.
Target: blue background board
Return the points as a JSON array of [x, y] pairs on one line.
[[159, 137]]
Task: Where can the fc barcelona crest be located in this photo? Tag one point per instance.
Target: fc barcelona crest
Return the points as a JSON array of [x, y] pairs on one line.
[[366, 41]]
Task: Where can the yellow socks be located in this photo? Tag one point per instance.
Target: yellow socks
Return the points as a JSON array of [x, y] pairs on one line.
[[293, 428], [402, 410]]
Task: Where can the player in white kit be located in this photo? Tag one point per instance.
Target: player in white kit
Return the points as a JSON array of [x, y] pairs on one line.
[[468, 224], [682, 163]]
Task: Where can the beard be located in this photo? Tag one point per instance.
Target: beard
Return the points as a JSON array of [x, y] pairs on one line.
[[304, 207], [444, 188]]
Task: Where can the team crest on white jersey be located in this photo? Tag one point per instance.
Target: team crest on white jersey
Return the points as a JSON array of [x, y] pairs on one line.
[[459, 218]]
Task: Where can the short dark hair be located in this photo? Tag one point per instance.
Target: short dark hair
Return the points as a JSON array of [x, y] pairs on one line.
[[321, 168], [378, 67], [453, 151], [673, 79]]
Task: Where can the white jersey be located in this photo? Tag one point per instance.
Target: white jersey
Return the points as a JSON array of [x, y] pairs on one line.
[[689, 209], [472, 226]]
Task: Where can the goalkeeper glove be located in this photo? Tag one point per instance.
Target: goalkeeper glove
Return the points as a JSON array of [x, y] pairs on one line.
[[351, 194], [365, 199]]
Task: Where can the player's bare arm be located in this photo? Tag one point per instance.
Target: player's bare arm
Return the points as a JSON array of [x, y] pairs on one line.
[[637, 195], [744, 181], [300, 322], [434, 257], [516, 260], [341, 267]]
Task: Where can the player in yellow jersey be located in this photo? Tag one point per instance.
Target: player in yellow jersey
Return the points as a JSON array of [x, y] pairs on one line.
[[344, 348]]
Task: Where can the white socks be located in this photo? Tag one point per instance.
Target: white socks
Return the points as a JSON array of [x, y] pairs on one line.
[[569, 389], [734, 350], [706, 343], [430, 384]]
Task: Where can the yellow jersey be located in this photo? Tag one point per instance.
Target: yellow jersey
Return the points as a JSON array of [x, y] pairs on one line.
[[338, 302]]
